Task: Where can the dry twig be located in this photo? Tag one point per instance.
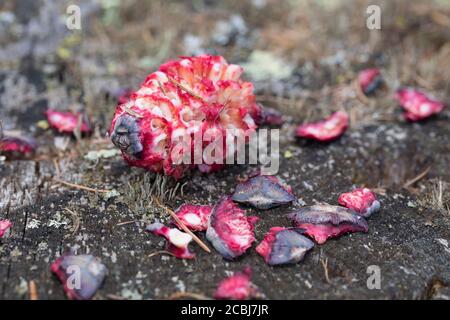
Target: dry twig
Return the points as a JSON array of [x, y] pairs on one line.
[[184, 88], [160, 252], [126, 222], [76, 220], [193, 295], [33, 290], [132, 112], [417, 178], [325, 268], [115, 297], [78, 186], [57, 169]]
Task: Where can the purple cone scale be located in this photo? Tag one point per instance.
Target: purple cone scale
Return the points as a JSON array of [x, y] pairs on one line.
[[284, 246], [81, 275]]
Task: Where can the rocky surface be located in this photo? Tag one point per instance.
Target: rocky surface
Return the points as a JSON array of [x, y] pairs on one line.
[[408, 238]]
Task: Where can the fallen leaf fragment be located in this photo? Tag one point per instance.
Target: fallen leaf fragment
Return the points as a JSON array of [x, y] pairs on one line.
[[417, 105]]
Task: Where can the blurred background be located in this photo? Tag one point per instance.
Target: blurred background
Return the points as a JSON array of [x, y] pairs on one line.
[[301, 54]]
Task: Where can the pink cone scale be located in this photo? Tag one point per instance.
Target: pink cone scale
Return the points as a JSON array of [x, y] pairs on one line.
[[417, 105], [16, 145], [361, 200], [326, 130], [229, 229], [195, 217], [178, 241], [5, 225], [238, 287], [263, 192], [68, 122]]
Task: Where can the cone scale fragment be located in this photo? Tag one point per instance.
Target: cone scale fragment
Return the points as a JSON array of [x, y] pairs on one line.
[[370, 80], [230, 230], [417, 105], [263, 192], [80, 275], [195, 217], [238, 287], [284, 246], [178, 241], [325, 221], [326, 130], [17, 145], [5, 225], [68, 122], [361, 200]]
